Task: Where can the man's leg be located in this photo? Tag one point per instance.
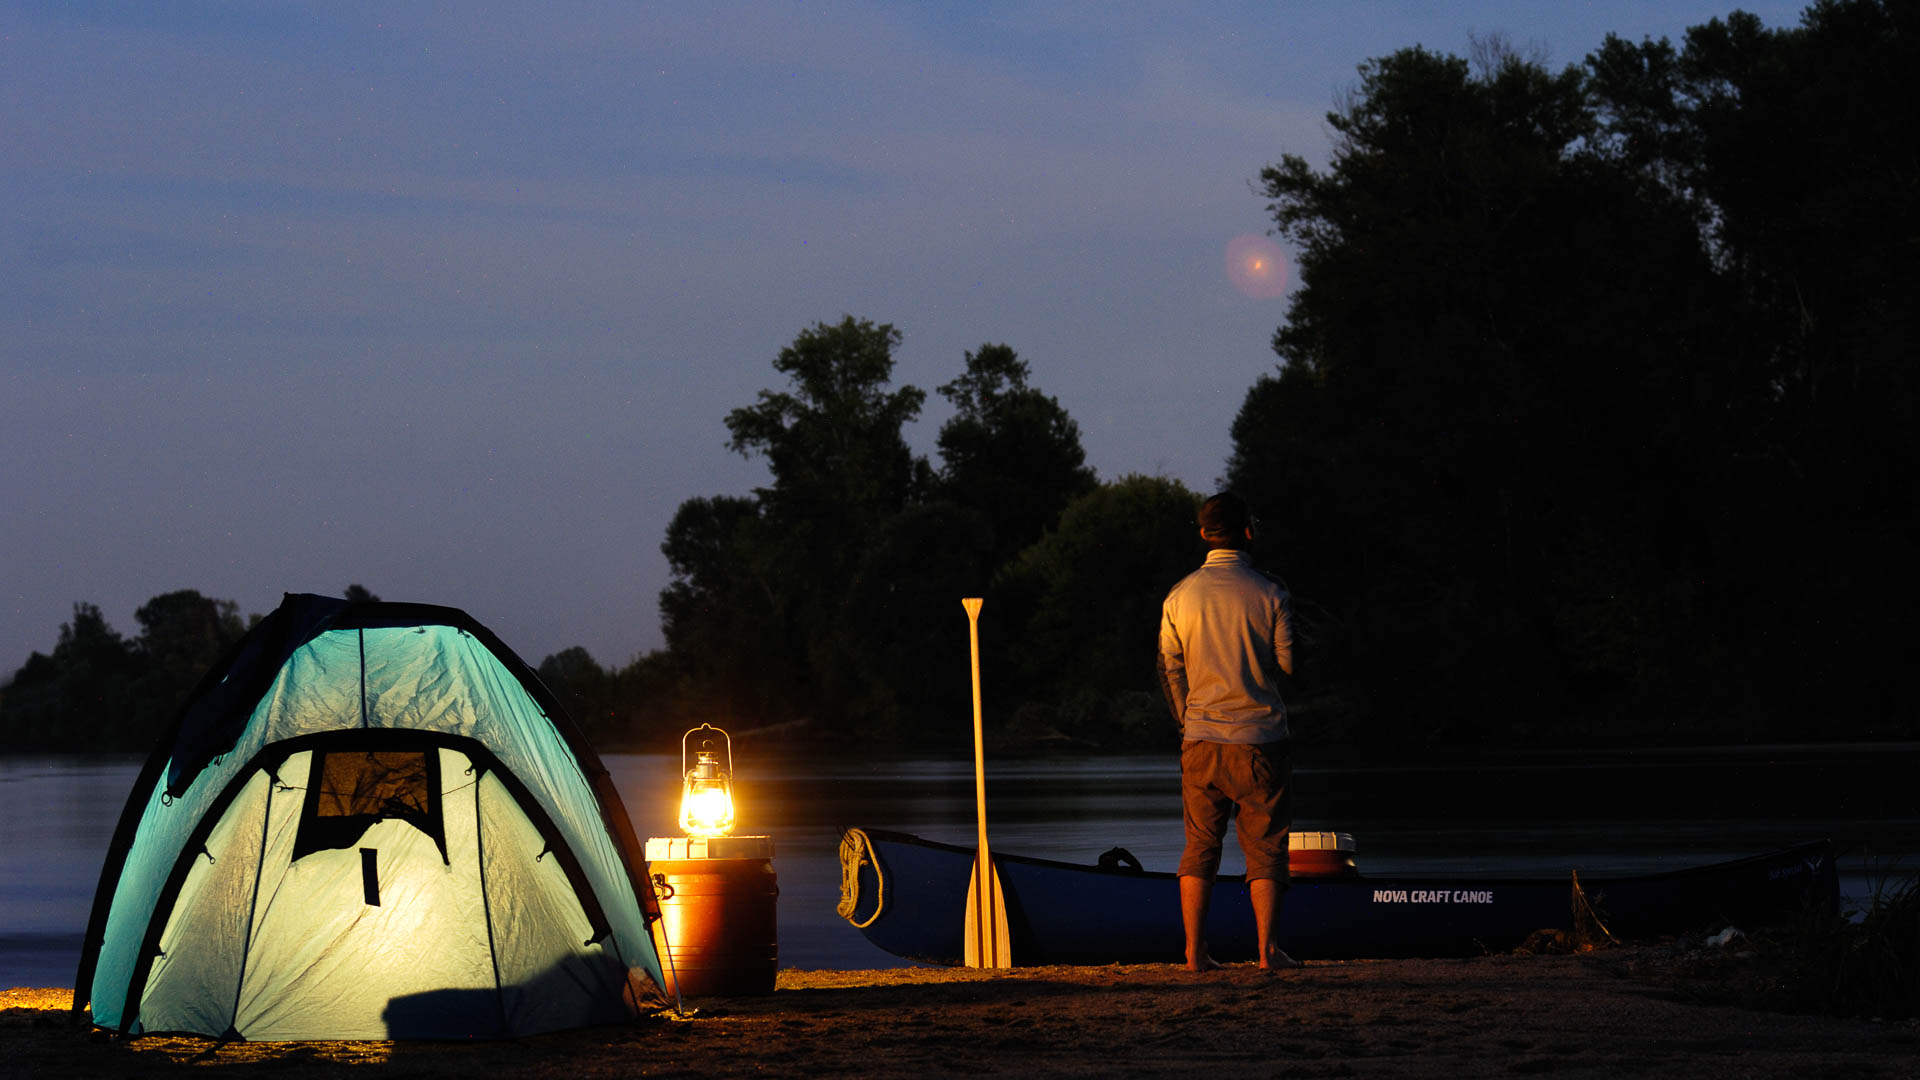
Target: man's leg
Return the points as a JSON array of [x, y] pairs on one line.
[[1196, 894], [1266, 894], [1266, 816], [1205, 811]]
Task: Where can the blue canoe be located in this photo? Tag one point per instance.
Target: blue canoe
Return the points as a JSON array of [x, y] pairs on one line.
[[908, 895]]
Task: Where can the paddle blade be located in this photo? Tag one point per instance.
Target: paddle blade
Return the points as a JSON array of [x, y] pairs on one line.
[[987, 942]]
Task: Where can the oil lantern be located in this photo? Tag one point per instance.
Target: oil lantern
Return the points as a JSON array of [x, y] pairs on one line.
[[706, 796], [718, 931]]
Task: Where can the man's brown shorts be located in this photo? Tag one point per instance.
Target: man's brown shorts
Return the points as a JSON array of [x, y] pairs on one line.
[[1255, 777]]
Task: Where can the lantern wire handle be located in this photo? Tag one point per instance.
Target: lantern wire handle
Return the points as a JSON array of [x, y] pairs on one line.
[[706, 742]]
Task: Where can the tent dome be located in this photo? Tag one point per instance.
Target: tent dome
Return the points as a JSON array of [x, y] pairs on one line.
[[370, 821]]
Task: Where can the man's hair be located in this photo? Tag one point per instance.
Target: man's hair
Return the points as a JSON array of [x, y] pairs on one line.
[[1224, 518]]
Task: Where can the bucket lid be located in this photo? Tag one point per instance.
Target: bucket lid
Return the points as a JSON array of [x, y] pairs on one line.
[[675, 848]]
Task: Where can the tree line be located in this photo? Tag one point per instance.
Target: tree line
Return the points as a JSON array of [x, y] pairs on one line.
[[1592, 420], [1595, 412], [826, 604], [99, 691]]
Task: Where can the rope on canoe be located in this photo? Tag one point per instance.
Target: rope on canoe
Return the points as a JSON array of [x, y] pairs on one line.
[[856, 850]]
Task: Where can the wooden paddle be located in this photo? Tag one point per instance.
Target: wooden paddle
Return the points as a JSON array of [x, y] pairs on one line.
[[987, 943]]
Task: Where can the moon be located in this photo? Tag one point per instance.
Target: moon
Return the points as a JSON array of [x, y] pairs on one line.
[[1257, 266]]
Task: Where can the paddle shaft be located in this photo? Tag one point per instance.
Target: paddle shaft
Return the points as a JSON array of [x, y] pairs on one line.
[[983, 877]]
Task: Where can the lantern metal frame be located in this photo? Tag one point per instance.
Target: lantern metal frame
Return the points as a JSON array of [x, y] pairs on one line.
[[724, 776]]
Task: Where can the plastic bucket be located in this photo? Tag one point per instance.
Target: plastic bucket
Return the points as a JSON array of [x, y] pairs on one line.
[[718, 922]]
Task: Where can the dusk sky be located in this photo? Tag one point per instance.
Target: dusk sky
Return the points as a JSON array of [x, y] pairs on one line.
[[452, 300]]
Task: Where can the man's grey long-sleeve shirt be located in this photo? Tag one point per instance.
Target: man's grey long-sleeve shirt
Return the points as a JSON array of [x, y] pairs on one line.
[[1226, 646]]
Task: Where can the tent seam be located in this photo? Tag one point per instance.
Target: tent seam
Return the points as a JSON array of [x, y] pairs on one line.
[[486, 904], [253, 903]]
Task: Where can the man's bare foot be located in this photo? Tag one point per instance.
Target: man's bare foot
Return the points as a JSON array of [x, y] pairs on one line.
[[1279, 961], [1205, 963]]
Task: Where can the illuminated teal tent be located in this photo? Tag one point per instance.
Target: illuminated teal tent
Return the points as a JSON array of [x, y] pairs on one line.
[[372, 821]]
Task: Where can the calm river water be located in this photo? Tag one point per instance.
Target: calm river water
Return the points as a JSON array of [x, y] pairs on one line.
[[1605, 813]]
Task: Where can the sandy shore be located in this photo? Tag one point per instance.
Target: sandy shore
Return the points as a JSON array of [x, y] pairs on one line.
[[1622, 1012]]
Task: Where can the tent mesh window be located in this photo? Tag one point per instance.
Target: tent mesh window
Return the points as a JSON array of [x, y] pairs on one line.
[[350, 791]]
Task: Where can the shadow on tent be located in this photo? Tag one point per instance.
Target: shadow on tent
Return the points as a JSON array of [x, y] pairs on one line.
[[475, 1013]]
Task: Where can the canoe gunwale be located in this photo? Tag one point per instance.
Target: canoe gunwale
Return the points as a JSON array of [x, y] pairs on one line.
[[1003, 858]]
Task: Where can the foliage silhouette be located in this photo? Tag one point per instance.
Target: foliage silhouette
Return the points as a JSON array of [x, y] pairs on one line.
[[1582, 429], [1580, 397]]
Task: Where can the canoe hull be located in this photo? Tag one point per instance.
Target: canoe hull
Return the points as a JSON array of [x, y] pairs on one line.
[[1062, 913]]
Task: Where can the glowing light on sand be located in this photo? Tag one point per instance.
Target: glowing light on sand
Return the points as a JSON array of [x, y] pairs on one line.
[[1257, 266]]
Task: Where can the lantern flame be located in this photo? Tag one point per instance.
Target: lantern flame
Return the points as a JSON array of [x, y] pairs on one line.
[[707, 812]]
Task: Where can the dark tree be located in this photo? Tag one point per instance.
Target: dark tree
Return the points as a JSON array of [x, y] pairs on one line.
[[902, 676], [758, 608], [1477, 396], [833, 592], [1009, 452], [833, 440], [1085, 602], [1587, 394], [182, 635], [100, 692], [1796, 149], [585, 690], [79, 698], [729, 614]]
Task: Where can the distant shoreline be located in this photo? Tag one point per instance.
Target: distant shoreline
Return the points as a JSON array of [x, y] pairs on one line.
[[1331, 754]]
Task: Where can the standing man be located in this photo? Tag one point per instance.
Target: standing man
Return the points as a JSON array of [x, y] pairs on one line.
[[1226, 649]]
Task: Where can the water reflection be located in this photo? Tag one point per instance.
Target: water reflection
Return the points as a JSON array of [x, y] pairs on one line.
[[1618, 812], [1622, 812]]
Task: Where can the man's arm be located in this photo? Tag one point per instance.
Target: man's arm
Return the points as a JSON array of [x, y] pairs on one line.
[[1283, 633], [1172, 665], [1283, 642]]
